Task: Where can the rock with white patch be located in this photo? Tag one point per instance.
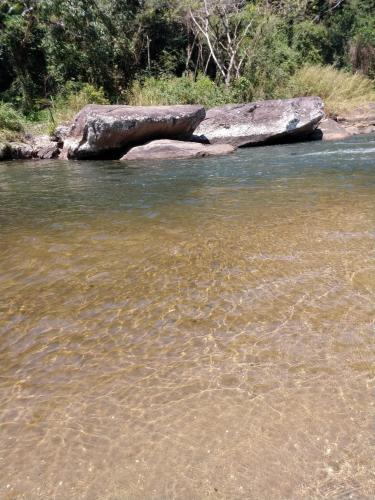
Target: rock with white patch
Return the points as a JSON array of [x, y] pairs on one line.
[[262, 122]]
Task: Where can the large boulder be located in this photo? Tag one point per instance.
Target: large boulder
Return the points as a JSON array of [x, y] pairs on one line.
[[166, 148], [101, 131], [262, 122]]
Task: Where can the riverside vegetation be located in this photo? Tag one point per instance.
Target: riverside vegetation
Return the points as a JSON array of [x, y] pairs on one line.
[[55, 57]]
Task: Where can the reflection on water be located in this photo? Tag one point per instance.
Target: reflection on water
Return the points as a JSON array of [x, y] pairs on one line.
[[200, 329]]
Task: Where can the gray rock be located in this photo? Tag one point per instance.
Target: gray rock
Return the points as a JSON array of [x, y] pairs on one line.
[[44, 148], [5, 152], [21, 151], [48, 152], [166, 148], [262, 122], [108, 131], [60, 133]]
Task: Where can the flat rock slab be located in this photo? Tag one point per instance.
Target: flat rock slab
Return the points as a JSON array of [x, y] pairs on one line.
[[101, 131], [262, 122], [169, 149]]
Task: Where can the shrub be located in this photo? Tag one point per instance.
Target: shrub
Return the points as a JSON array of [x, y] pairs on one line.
[[71, 99], [310, 42], [74, 97], [341, 91], [11, 122], [269, 63], [182, 90]]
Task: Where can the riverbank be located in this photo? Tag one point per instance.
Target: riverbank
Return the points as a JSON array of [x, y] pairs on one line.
[[100, 131]]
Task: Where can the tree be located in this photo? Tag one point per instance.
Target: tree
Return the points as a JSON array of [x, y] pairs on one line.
[[222, 25], [21, 40]]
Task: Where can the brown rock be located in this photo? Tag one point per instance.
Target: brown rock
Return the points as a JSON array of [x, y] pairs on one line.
[[360, 120], [332, 131], [166, 148], [364, 115], [262, 122], [108, 131]]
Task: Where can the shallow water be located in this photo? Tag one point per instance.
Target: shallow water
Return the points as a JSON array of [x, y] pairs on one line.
[[192, 329]]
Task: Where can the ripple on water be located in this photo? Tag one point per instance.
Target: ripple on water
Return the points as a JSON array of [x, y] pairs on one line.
[[191, 332]]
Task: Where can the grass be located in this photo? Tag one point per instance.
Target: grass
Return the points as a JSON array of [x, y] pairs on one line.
[[341, 91], [170, 90], [11, 123], [64, 107]]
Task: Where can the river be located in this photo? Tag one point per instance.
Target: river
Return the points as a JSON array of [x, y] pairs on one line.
[[190, 329]]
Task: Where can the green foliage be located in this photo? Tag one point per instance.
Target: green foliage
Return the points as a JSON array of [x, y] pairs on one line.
[[137, 50], [183, 90], [21, 36], [11, 122], [340, 90], [270, 64], [72, 98], [75, 96], [310, 42]]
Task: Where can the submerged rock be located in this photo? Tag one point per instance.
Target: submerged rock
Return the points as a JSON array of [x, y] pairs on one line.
[[262, 122], [101, 131], [166, 148]]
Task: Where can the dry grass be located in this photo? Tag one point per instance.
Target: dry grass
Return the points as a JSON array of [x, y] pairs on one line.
[[341, 91]]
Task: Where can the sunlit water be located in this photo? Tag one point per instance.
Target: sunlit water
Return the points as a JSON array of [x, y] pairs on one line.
[[189, 329]]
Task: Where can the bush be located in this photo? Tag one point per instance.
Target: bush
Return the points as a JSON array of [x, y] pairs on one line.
[[73, 98], [174, 90], [310, 42], [11, 122], [269, 64], [62, 109], [341, 91]]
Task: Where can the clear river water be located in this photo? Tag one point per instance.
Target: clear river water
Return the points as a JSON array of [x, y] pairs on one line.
[[190, 329]]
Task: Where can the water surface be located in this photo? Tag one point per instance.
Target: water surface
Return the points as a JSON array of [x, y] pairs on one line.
[[191, 329]]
